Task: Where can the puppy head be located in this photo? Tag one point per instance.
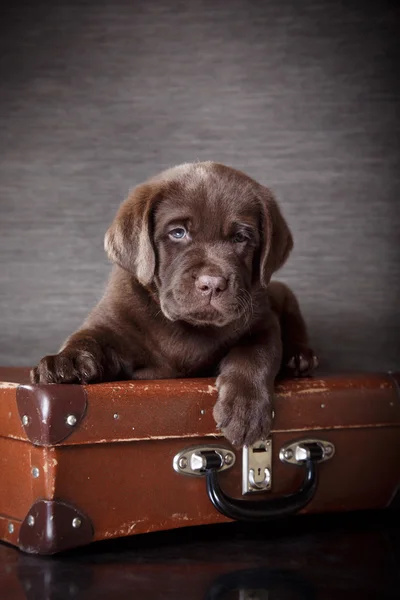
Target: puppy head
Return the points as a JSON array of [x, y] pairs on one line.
[[205, 236]]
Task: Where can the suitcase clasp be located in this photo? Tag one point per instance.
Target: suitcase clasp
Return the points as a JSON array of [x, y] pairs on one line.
[[197, 460], [257, 467], [296, 453]]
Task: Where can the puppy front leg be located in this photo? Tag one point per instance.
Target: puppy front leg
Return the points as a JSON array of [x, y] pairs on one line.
[[246, 385], [298, 358], [89, 356]]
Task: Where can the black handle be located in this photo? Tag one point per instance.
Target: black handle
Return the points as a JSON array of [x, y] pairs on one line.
[[284, 582], [260, 510]]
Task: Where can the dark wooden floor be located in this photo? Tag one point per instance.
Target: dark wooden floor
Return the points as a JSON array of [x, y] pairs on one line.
[[326, 557]]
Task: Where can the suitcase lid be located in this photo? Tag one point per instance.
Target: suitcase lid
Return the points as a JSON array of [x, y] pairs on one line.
[[127, 411]]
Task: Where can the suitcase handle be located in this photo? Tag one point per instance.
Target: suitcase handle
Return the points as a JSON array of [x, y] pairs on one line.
[[251, 583], [260, 510]]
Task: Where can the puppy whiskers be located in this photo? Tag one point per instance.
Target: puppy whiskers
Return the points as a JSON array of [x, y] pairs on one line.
[[246, 305]]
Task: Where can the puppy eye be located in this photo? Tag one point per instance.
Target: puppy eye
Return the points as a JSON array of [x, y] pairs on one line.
[[240, 237], [178, 233]]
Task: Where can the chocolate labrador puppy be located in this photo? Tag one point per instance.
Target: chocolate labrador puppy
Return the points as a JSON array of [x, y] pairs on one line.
[[190, 295]]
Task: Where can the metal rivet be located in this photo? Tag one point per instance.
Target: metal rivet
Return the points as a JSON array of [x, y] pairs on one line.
[[25, 420], [288, 454], [202, 412], [71, 420], [328, 450], [183, 462], [228, 459], [35, 472], [31, 520], [322, 405], [10, 528], [116, 416], [76, 523]]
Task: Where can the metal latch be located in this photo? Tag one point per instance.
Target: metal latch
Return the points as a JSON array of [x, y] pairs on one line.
[[195, 461], [257, 467], [296, 453]]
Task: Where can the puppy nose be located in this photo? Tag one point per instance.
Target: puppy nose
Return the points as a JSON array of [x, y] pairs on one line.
[[209, 284]]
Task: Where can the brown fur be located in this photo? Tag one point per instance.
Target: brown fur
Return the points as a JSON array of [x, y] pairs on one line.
[[190, 295]]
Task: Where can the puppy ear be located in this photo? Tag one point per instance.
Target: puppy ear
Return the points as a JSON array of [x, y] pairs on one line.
[[277, 239], [128, 241]]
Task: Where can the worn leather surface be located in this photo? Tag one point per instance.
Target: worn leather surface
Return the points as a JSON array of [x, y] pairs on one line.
[[97, 96], [183, 408]]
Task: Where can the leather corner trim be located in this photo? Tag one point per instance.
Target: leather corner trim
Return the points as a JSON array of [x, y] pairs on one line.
[[395, 377], [50, 413], [52, 526]]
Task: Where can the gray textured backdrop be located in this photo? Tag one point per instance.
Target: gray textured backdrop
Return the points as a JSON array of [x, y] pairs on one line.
[[304, 96]]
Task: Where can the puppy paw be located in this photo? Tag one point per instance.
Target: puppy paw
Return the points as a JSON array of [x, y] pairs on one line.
[[243, 416], [74, 366], [300, 362]]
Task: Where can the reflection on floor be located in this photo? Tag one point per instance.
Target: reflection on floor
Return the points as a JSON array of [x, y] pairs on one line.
[[325, 557]]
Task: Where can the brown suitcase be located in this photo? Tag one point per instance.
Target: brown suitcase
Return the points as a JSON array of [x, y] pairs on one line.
[[86, 463]]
